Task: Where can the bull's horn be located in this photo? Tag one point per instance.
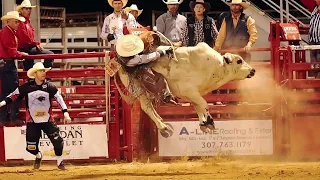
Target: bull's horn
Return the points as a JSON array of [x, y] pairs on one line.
[[174, 54]]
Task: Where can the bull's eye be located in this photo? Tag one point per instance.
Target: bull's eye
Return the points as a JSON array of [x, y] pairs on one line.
[[239, 61]]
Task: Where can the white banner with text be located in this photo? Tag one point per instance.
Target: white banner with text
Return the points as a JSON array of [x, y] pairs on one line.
[[81, 141], [237, 137]]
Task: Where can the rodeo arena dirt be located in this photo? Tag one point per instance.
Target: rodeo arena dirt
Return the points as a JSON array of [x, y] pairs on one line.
[[260, 123]]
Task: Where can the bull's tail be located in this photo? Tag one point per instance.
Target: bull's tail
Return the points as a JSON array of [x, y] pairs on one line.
[[128, 99]]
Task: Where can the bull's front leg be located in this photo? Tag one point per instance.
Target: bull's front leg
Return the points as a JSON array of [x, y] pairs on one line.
[[202, 108], [148, 108]]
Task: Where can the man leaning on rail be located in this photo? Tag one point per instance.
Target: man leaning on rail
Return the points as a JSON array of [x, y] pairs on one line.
[[238, 30], [25, 35], [8, 69]]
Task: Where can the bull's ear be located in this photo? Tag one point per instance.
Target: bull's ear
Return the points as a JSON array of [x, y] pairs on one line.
[[227, 59]]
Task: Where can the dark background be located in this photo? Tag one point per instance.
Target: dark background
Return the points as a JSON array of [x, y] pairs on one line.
[[78, 6]]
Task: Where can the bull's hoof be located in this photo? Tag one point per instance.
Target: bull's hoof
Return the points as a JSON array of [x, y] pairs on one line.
[[166, 132], [204, 128], [211, 127], [210, 124]]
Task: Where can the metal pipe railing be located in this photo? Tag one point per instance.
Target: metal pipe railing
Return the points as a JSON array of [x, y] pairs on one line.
[[300, 8], [66, 56]]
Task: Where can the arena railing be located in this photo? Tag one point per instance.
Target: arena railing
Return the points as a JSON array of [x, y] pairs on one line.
[[301, 99]]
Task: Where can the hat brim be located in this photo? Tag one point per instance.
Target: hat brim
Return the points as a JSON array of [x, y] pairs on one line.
[[7, 17], [32, 71], [206, 5], [124, 2], [245, 5], [18, 8], [172, 3], [123, 40], [128, 9]]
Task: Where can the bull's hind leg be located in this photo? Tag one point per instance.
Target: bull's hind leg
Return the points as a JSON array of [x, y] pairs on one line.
[[202, 108], [148, 108]]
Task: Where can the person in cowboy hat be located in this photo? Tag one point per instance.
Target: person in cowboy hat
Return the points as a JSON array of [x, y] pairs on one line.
[[199, 27], [38, 95], [8, 70], [129, 51], [237, 30], [113, 24], [171, 23], [133, 9], [25, 35]]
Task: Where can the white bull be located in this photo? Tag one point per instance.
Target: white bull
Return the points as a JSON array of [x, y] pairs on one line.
[[198, 71]]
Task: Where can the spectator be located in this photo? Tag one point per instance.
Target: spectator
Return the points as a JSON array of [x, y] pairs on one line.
[[237, 30], [25, 35], [171, 23], [133, 9], [314, 36], [113, 24], [220, 19], [199, 27], [8, 69]]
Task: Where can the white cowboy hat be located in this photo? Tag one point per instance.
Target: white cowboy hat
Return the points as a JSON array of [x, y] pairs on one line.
[[133, 7], [13, 15], [206, 5], [124, 2], [173, 1], [129, 45], [36, 67], [25, 4], [245, 5]]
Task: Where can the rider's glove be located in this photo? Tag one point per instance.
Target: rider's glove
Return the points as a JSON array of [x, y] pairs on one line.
[[169, 51], [165, 52], [110, 37]]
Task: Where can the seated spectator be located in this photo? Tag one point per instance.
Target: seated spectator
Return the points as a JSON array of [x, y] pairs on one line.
[[25, 35]]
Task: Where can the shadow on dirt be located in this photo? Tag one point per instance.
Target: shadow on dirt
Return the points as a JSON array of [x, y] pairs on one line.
[[27, 171], [124, 174]]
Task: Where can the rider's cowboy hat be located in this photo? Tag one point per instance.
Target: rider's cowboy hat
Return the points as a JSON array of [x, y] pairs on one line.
[[124, 2], [13, 15], [133, 7], [173, 1], [25, 4], [206, 5], [244, 4], [36, 67], [129, 45]]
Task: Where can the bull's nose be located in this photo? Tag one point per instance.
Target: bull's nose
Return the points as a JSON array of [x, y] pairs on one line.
[[252, 72]]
